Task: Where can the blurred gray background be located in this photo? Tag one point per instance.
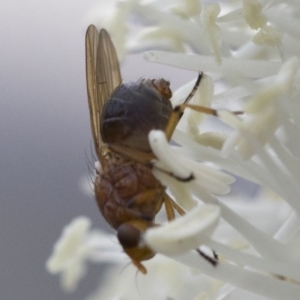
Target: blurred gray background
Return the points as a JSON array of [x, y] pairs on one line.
[[44, 138]]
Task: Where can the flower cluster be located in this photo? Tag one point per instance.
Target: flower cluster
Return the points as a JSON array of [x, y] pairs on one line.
[[249, 52]]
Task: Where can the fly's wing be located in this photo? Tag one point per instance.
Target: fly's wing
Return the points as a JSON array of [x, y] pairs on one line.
[[102, 75]]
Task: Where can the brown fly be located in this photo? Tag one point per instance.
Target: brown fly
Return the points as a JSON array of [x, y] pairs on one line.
[[127, 193]]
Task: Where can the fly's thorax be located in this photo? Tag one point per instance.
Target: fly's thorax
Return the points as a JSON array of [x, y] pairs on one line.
[[133, 110]]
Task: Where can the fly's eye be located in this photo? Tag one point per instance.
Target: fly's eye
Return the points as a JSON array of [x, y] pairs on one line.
[[129, 236]]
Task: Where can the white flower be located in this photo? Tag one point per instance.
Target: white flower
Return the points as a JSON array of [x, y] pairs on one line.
[[263, 110], [69, 254], [252, 12], [76, 246], [187, 232], [249, 52], [211, 30], [166, 279]]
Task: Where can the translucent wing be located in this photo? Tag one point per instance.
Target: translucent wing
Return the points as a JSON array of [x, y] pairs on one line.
[[102, 75]]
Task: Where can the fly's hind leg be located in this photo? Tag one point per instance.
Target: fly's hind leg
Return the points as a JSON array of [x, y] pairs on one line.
[[170, 206], [213, 261]]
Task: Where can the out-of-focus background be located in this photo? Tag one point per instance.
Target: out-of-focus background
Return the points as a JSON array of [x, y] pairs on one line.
[[45, 139]]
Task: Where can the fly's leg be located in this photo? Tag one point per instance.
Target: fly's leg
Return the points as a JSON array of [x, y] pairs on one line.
[[179, 110], [135, 155], [169, 202], [146, 158], [213, 261], [170, 205], [169, 208]]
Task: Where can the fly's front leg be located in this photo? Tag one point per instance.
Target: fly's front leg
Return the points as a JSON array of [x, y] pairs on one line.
[[179, 110]]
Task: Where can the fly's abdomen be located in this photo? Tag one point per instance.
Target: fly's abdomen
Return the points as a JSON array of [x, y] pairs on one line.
[[128, 192]]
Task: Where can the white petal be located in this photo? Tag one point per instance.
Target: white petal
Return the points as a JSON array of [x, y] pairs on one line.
[[163, 151], [268, 36], [202, 177], [68, 244], [212, 30], [211, 139], [187, 8], [184, 233], [179, 190], [252, 14], [229, 66], [284, 22], [282, 83], [75, 271]]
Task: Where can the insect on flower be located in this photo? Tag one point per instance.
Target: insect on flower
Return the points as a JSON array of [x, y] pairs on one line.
[[121, 115]]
